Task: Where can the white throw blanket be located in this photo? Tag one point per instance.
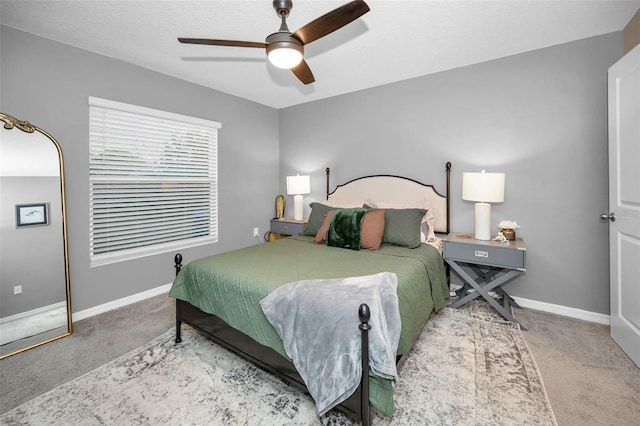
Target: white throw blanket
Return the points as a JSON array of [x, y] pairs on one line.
[[317, 321]]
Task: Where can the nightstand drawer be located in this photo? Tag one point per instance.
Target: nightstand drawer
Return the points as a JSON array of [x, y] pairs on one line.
[[286, 227], [505, 257]]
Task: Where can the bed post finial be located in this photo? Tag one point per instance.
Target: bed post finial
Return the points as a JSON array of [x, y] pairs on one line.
[[327, 171], [178, 265], [364, 314]]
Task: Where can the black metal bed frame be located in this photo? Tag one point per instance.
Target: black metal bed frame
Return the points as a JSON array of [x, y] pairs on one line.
[[356, 406]]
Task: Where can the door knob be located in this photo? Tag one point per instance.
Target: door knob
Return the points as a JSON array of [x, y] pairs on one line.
[[608, 216]]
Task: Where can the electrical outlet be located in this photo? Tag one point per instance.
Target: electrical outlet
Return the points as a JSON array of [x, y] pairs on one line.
[[17, 289], [256, 232]]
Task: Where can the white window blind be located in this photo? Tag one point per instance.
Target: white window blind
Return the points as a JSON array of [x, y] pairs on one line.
[[153, 181]]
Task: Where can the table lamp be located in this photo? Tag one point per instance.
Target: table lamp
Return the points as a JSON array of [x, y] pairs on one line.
[[484, 188], [296, 186]]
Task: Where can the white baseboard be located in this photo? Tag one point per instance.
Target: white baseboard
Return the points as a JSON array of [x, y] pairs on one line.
[[563, 310], [109, 306]]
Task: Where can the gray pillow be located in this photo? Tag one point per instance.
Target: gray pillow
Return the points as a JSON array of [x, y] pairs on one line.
[[402, 227], [316, 218]]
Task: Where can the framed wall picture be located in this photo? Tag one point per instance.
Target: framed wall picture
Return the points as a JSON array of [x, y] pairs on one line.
[[32, 214]]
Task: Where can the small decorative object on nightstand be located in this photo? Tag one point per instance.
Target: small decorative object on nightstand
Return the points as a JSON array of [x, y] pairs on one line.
[[287, 226], [508, 229], [494, 263], [280, 205]]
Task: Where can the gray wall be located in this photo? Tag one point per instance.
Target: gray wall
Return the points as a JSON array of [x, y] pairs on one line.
[[48, 83], [540, 116], [32, 256]]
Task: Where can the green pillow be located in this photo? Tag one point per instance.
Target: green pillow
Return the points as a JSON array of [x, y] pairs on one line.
[[402, 227], [345, 228], [316, 218]]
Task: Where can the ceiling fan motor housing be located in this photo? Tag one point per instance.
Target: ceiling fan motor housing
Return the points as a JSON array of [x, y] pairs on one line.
[[283, 40]]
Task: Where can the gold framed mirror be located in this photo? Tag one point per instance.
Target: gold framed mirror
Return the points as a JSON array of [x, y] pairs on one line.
[[35, 296]]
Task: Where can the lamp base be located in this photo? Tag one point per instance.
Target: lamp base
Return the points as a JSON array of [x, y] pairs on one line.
[[298, 207], [483, 221]]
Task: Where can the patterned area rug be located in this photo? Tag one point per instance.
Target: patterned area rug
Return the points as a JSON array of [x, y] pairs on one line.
[[467, 368]]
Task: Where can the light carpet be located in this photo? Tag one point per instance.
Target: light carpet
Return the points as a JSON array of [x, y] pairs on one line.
[[467, 368]]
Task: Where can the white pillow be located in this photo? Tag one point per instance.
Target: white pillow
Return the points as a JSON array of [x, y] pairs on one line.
[[428, 222]]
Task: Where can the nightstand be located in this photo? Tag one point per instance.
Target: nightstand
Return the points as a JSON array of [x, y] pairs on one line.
[[494, 264], [287, 226]]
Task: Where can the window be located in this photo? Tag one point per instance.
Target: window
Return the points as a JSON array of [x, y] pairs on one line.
[[153, 181]]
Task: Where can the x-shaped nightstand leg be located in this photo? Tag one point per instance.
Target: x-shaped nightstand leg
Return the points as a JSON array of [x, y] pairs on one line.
[[486, 276], [483, 290]]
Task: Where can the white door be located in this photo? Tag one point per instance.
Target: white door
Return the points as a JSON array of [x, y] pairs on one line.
[[624, 202]]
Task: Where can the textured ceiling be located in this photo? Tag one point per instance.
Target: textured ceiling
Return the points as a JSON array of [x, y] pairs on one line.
[[395, 41]]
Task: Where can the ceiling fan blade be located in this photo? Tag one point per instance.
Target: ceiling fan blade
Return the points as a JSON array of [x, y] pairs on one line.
[[303, 72], [214, 42], [329, 22]]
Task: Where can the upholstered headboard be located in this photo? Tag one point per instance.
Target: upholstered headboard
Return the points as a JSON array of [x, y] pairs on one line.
[[397, 189]]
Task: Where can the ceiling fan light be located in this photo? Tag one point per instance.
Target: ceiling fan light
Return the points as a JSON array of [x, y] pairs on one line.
[[285, 57]]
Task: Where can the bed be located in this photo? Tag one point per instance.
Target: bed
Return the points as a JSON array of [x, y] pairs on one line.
[[220, 295]]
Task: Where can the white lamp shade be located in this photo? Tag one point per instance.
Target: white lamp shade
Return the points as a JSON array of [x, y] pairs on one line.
[[297, 185], [483, 187]]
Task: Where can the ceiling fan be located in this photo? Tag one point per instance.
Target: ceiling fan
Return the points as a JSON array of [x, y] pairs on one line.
[[284, 48]]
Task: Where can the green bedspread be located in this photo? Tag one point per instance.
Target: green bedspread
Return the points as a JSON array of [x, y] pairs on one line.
[[230, 285]]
